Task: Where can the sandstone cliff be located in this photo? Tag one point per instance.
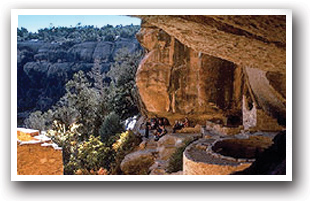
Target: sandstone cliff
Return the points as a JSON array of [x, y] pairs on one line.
[[205, 67]]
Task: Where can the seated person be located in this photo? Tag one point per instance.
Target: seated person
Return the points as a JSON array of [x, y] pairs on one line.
[[186, 122], [160, 122], [147, 128], [165, 121], [153, 123], [177, 126], [161, 131]]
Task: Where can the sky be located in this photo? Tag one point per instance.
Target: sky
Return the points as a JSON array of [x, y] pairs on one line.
[[35, 22]]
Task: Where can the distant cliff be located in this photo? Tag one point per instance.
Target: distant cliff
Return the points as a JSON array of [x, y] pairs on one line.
[[44, 66]]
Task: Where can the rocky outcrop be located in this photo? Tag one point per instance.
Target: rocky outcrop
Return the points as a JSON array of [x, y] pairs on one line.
[[203, 66], [137, 163], [267, 94], [44, 68]]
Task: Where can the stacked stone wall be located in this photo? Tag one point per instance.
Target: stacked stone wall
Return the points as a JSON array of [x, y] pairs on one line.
[[218, 156], [35, 159], [191, 167], [257, 119], [223, 130], [37, 154]]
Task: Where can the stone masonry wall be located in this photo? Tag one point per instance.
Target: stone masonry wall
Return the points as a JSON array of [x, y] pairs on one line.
[[197, 160], [257, 119], [37, 154], [198, 168], [34, 159]]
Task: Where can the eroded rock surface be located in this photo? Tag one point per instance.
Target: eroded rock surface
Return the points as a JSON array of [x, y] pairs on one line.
[[247, 40], [202, 66], [175, 80], [137, 163]]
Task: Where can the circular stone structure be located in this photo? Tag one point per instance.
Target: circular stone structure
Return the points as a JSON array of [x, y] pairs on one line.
[[222, 156]]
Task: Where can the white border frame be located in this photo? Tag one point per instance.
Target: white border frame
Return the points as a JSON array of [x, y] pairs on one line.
[[14, 25]]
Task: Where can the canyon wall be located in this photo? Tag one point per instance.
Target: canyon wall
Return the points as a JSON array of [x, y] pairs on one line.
[[43, 68], [202, 66]]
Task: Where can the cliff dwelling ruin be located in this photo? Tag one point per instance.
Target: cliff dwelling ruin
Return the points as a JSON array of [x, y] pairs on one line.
[[225, 73]]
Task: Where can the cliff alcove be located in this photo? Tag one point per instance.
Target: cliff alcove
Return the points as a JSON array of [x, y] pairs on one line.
[[205, 67], [226, 73]]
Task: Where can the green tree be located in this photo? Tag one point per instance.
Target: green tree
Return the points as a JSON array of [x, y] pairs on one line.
[[86, 104], [40, 121], [81, 104], [123, 97], [110, 126]]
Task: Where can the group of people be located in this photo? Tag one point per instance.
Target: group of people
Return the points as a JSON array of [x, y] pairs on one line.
[[159, 126]]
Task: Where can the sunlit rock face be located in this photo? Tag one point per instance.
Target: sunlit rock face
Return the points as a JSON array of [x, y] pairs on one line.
[[174, 79], [202, 66], [257, 41]]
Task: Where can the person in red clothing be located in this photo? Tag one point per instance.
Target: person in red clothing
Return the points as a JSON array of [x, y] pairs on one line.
[[186, 122]]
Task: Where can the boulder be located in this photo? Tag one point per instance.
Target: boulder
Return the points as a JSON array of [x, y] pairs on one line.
[[171, 141], [168, 144], [137, 163], [164, 153]]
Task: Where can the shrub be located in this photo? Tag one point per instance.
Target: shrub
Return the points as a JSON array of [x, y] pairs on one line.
[[127, 140], [88, 156], [67, 138], [126, 143], [175, 162], [93, 155], [38, 120]]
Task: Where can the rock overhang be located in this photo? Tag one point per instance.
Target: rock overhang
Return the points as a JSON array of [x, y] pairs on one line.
[[257, 41], [248, 41]]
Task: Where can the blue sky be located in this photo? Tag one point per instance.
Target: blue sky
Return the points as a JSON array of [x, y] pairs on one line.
[[34, 22]]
